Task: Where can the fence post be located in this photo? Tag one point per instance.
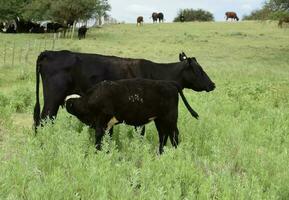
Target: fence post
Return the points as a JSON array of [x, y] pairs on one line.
[[53, 43], [45, 44], [20, 55], [73, 28], [13, 53], [4, 53], [27, 53], [39, 46]]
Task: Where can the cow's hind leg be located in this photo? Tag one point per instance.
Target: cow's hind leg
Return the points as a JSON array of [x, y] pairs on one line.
[[174, 137], [54, 90]]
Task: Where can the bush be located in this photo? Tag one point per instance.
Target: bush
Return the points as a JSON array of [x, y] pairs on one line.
[[194, 15], [22, 99], [271, 10], [261, 14]]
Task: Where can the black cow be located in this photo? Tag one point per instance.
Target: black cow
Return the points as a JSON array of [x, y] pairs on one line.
[[1, 27], [155, 17], [65, 72], [82, 32], [182, 18], [52, 27], [133, 101], [37, 28], [139, 20], [11, 28], [161, 17]]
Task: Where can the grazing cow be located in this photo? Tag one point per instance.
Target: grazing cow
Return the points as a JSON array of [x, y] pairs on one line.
[[82, 32], [139, 20], [231, 15], [282, 20], [65, 72], [155, 17], [134, 102], [161, 17]]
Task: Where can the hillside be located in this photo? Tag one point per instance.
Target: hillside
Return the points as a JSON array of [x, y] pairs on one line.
[[237, 150]]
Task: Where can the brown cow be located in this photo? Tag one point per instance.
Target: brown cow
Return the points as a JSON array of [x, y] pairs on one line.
[[282, 20], [231, 15], [139, 20]]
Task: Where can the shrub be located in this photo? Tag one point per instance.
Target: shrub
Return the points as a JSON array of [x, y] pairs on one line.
[[22, 99], [194, 15]]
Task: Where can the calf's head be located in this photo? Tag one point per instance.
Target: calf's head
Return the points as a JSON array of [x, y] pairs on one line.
[[76, 106], [193, 76]]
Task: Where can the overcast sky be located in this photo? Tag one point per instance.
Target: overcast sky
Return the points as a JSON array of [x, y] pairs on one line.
[[128, 10]]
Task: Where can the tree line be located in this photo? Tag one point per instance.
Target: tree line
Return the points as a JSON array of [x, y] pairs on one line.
[[61, 11], [272, 9]]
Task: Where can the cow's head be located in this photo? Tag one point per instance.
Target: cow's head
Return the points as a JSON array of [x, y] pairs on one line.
[[193, 76]]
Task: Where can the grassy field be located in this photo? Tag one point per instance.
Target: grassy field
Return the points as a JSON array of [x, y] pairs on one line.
[[239, 149]]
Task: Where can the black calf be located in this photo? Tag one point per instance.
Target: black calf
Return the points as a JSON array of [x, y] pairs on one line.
[[133, 101]]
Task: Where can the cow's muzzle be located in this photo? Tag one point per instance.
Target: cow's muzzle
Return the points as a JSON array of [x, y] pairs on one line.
[[211, 87]]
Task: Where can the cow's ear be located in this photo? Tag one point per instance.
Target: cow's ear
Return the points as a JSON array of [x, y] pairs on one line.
[[182, 56]]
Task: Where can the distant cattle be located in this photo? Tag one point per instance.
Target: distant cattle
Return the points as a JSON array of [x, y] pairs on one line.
[[161, 17], [23, 26], [139, 21], [182, 18], [53, 27], [283, 20], [155, 17], [37, 28], [231, 15], [11, 28], [2, 26], [82, 32], [135, 102], [65, 72]]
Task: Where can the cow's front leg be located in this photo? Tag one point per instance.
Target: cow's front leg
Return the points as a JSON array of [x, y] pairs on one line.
[[103, 123]]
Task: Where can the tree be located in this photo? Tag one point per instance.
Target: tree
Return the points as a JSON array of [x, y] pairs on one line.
[[261, 14], [194, 15], [272, 9], [12, 9], [277, 5], [102, 6], [62, 11]]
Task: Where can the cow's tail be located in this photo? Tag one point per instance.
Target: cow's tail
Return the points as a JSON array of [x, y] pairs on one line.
[[36, 115], [190, 109]]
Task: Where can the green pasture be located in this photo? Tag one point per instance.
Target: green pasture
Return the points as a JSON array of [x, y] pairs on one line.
[[238, 149]]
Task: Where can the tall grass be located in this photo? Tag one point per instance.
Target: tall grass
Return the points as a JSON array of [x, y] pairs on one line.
[[237, 150]]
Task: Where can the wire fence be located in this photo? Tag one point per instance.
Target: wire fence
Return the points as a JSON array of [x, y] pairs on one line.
[[14, 53]]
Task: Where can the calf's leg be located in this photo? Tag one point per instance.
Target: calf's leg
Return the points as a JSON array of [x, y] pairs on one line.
[[99, 133], [162, 135]]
